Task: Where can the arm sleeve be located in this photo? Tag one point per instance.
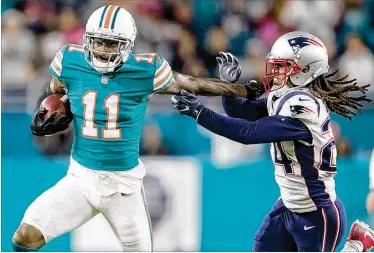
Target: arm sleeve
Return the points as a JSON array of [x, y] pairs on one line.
[[163, 76], [265, 130], [242, 108]]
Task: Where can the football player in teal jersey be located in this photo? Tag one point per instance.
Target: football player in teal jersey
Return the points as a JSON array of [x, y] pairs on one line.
[[108, 89]]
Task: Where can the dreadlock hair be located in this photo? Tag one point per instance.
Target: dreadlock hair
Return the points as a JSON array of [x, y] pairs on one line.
[[335, 94]]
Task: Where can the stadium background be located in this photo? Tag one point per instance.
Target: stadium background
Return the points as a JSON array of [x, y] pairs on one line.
[[205, 192]]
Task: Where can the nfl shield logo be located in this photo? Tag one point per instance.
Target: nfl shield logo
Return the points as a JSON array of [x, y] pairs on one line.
[[104, 80]]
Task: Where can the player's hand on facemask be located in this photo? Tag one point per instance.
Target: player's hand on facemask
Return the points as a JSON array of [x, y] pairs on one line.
[[254, 89], [229, 67], [50, 125], [187, 104]]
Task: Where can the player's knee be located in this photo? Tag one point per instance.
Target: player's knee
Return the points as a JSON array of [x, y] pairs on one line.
[[28, 236], [132, 237]]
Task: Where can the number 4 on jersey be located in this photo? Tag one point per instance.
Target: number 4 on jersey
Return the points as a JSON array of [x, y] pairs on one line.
[[111, 104]]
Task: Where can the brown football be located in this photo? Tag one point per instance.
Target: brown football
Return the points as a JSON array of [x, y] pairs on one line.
[[53, 104]]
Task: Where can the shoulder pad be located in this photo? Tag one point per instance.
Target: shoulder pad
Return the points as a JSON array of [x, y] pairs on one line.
[[299, 105]]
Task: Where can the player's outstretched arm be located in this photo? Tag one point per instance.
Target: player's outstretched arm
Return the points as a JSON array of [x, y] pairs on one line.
[[203, 86], [251, 108], [168, 82], [244, 109], [264, 130]]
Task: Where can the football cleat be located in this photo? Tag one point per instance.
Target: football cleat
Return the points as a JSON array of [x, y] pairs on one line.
[[361, 231]]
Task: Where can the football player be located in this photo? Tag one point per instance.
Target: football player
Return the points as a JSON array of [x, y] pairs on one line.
[[108, 89], [360, 239], [295, 119]]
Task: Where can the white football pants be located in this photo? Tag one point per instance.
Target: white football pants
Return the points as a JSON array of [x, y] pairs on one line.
[[83, 193]]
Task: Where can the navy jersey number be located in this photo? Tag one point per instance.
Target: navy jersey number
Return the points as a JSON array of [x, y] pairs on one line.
[[328, 151]]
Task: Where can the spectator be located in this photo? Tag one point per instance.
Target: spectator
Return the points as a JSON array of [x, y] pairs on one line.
[[40, 15], [18, 47], [253, 64], [358, 61], [70, 27], [216, 41], [311, 16], [186, 60], [268, 27], [237, 27]]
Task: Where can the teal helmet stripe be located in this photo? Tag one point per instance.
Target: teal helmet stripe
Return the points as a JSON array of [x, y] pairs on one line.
[[114, 18], [102, 15]]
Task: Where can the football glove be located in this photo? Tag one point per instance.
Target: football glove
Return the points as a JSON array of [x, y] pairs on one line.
[[254, 90], [229, 68], [50, 125], [187, 104]]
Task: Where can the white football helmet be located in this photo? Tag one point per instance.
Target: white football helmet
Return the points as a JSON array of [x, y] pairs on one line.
[[112, 23], [302, 56]]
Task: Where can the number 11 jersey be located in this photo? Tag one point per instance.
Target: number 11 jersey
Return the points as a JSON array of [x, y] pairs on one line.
[[109, 108]]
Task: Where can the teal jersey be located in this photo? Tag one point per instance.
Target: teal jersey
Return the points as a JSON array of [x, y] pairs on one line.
[[109, 108]]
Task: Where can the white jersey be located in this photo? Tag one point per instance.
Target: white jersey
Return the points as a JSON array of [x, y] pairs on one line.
[[304, 170]]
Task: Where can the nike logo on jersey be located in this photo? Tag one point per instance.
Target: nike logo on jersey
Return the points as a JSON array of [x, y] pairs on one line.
[[301, 99], [307, 228]]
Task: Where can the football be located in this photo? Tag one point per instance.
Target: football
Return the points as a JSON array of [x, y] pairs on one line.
[[53, 103]]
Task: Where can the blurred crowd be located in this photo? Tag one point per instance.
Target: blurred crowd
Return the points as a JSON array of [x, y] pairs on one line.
[[188, 33]]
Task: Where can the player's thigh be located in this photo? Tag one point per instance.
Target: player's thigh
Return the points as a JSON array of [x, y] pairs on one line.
[[128, 215], [60, 209], [273, 234], [321, 230]]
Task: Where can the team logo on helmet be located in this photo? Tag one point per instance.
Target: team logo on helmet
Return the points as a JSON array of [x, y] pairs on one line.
[[300, 42]]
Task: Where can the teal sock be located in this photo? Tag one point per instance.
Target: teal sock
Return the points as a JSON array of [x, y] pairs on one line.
[[19, 248]]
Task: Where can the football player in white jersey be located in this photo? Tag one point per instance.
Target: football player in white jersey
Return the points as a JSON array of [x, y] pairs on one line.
[[294, 118]]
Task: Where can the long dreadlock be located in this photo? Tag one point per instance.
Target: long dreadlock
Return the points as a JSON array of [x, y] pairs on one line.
[[335, 94]]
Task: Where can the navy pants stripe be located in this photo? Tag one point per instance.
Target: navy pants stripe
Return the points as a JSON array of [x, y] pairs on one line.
[[283, 230]]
